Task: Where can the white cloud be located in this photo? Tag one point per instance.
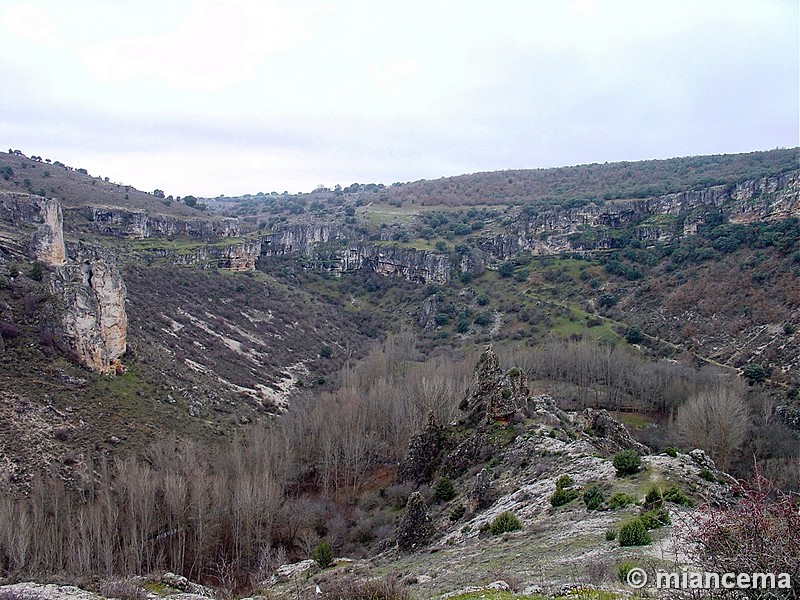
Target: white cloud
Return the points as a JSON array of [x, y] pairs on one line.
[[289, 93], [218, 44], [30, 22], [394, 77]]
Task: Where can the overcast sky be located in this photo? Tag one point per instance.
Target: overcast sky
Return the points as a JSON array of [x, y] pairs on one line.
[[210, 97]]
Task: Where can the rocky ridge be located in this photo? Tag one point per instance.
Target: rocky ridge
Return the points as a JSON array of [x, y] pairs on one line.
[[515, 467], [86, 287]]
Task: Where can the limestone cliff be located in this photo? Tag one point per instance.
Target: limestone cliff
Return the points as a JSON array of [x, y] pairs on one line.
[[240, 256], [47, 244], [303, 238], [419, 266], [20, 213], [662, 218], [140, 225], [91, 298], [337, 249]]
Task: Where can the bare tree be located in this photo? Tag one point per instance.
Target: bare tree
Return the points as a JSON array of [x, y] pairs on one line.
[[716, 420]]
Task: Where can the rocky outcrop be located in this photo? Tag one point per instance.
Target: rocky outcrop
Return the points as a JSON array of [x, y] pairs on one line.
[[416, 527], [305, 239], [240, 256], [140, 225], [418, 266], [91, 298], [19, 214], [610, 435], [662, 218], [47, 244], [422, 456], [494, 395]]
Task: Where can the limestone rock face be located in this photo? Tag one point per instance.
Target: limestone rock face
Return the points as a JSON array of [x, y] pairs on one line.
[[140, 225], [611, 434], [422, 456], [48, 241], [416, 527], [93, 319], [495, 395]]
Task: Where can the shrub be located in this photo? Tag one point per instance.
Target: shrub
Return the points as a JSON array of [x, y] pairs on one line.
[[506, 269], [754, 373], [8, 330], [444, 491], [593, 497], [671, 452], [122, 590], [37, 271], [504, 522], [634, 335], [608, 300], [623, 569], [675, 495], [756, 535], [620, 500], [457, 512], [561, 497], [653, 519], [633, 533], [627, 462], [707, 475], [564, 482], [653, 498], [483, 319], [326, 352], [323, 555], [372, 589], [611, 534]]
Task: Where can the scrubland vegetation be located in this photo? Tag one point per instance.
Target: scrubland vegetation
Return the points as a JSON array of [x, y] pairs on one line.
[[325, 471]]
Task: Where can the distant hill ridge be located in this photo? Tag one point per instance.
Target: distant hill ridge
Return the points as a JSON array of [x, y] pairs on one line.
[[570, 184]]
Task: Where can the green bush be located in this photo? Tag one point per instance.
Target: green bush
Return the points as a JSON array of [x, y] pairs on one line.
[[676, 496], [623, 569], [561, 497], [754, 373], [326, 352], [593, 497], [633, 533], [611, 534], [37, 271], [707, 475], [505, 522], [653, 498], [671, 452], [627, 462], [653, 519], [444, 491], [457, 512], [323, 555], [564, 482], [620, 500], [634, 335]]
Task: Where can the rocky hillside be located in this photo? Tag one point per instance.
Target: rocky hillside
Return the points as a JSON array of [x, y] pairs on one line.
[[214, 316], [515, 491]]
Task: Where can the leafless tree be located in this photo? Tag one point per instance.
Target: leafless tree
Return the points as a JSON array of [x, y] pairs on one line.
[[716, 420]]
